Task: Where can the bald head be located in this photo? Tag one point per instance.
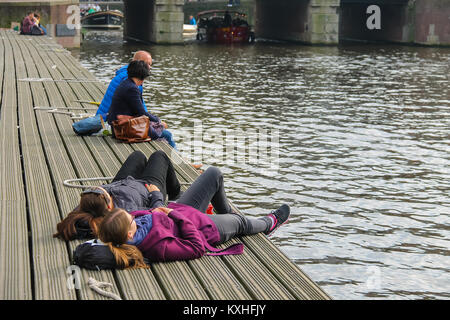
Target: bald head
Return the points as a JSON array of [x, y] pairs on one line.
[[143, 56]]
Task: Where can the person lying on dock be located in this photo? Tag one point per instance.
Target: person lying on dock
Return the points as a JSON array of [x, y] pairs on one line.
[[127, 100], [181, 231], [139, 184]]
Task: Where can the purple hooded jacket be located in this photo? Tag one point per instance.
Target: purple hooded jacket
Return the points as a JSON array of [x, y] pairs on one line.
[[183, 234]]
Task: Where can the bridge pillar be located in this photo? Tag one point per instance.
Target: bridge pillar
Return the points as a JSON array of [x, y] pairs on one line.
[[155, 21], [308, 21], [431, 22]]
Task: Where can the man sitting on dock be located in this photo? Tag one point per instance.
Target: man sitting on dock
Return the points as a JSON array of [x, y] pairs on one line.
[[121, 75]]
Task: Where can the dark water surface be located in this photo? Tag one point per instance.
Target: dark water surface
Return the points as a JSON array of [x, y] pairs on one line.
[[358, 146]]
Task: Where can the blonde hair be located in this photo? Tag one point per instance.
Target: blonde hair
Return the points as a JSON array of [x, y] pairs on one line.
[[113, 231]]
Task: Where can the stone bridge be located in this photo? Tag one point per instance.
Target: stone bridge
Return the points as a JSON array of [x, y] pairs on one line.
[[309, 21], [323, 22]]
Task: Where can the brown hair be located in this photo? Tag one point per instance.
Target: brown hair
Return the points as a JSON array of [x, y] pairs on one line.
[[113, 231], [92, 208]]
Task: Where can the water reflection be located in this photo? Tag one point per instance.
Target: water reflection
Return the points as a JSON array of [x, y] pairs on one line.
[[363, 150]]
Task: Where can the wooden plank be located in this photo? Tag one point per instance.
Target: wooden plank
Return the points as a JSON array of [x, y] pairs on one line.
[[67, 198], [139, 284], [15, 267], [99, 152], [107, 163], [260, 283], [182, 268], [208, 280], [290, 275], [295, 280], [181, 271], [262, 272], [216, 278], [178, 282], [49, 256], [2, 65]]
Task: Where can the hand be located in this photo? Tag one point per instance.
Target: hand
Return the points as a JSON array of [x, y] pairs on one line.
[[164, 124], [151, 188], [163, 209]]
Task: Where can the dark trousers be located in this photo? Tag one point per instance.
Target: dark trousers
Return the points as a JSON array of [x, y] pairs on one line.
[[157, 170], [209, 187]]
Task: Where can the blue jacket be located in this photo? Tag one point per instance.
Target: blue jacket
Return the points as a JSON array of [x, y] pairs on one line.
[[143, 226], [121, 74]]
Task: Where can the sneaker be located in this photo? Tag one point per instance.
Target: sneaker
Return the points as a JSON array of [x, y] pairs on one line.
[[280, 217]]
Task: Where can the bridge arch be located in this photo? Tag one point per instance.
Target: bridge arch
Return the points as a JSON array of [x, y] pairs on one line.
[[309, 21]]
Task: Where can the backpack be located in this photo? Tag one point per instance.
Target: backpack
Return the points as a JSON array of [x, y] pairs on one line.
[[94, 255], [36, 31]]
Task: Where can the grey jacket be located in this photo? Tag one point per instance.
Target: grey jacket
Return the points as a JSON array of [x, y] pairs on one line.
[[132, 195]]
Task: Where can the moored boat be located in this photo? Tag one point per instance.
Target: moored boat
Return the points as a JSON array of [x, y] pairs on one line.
[[224, 26], [108, 19]]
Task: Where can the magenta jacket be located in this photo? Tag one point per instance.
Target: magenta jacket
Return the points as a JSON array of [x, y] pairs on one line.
[[183, 234]]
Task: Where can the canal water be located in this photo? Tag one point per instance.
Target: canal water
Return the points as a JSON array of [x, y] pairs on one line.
[[355, 138]]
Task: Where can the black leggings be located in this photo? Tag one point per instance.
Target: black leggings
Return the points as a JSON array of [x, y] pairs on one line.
[[209, 187], [158, 170]]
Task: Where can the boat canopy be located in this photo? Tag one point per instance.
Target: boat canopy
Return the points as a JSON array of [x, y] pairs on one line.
[[203, 13]]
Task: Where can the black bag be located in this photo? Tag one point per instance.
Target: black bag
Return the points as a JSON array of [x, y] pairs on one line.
[[36, 31], [94, 255]]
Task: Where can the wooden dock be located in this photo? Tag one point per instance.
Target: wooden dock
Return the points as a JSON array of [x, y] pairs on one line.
[[39, 150]]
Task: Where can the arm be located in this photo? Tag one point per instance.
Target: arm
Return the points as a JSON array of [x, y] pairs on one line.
[[136, 105], [156, 199], [186, 247], [152, 117], [143, 102]]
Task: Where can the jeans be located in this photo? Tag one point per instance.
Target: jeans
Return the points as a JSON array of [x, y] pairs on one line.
[[209, 187], [158, 170], [87, 126], [166, 134]]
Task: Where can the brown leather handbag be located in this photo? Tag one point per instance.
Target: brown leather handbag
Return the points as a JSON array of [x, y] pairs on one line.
[[131, 129]]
